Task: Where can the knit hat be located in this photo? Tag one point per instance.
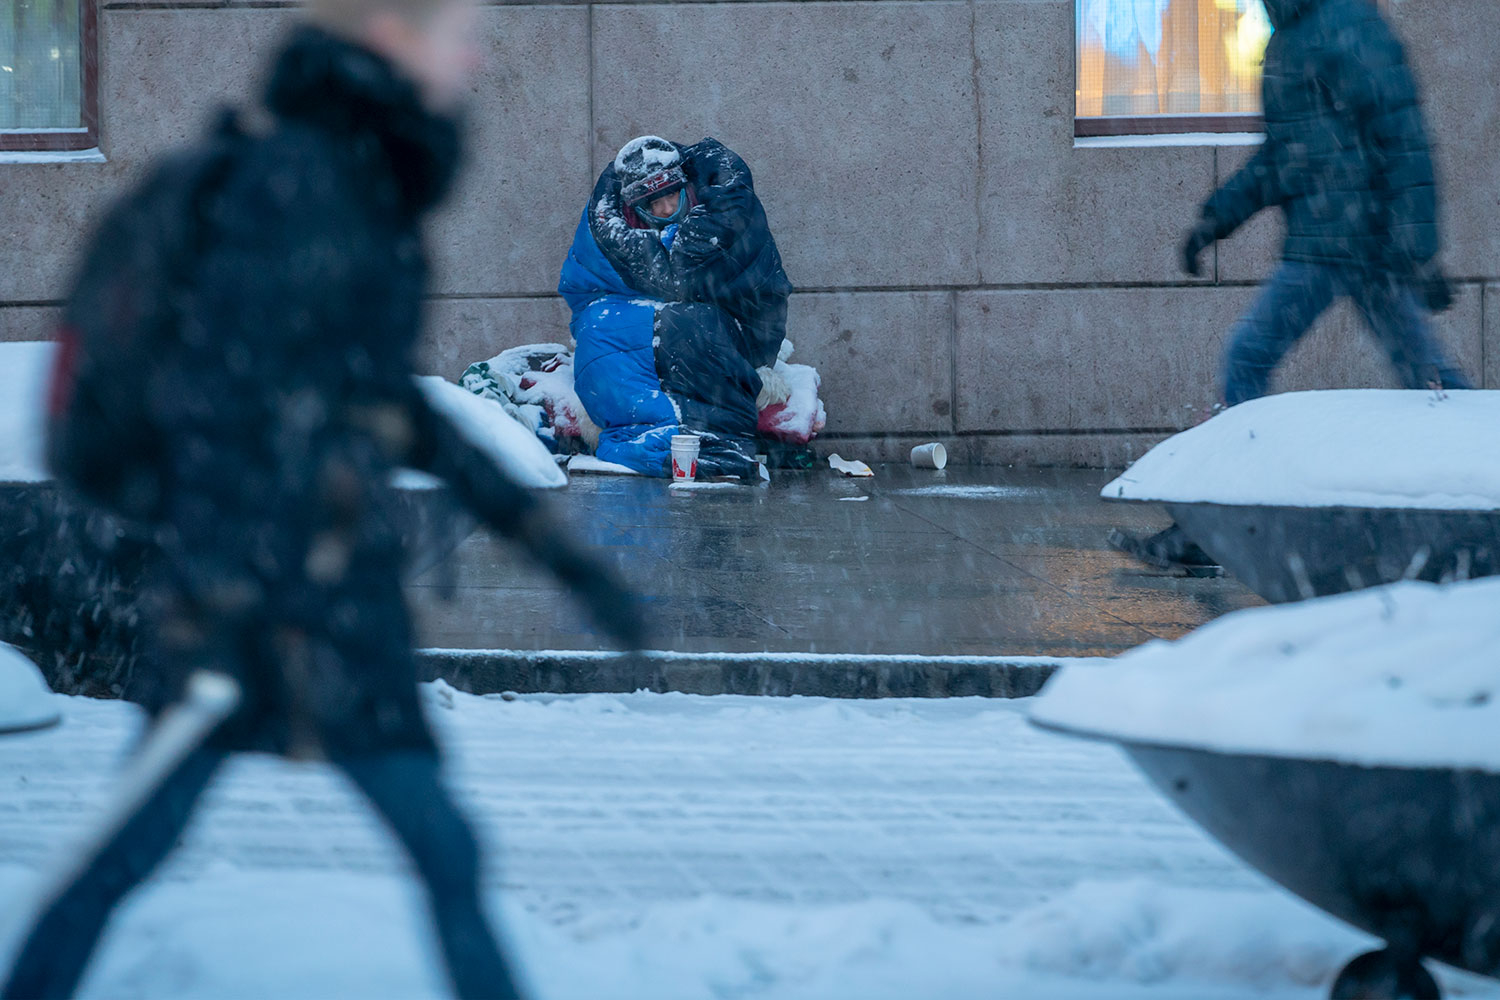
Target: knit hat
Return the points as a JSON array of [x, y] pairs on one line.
[[648, 167]]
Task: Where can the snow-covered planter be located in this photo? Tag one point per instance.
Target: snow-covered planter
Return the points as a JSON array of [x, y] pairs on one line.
[[25, 702], [1306, 494], [1348, 747]]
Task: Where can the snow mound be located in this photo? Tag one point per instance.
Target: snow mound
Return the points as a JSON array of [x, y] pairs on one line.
[[25, 702], [1121, 940], [1398, 676], [487, 426], [534, 384], [1141, 933], [589, 464], [25, 368], [1408, 449], [212, 936]]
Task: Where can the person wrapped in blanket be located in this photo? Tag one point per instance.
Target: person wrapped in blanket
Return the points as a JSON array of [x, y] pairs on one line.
[[678, 297]]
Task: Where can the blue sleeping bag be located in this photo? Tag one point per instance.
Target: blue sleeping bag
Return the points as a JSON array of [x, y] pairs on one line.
[[671, 327], [614, 367]]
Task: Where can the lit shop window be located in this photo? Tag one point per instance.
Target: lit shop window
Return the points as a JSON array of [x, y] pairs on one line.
[[48, 80], [1156, 66]]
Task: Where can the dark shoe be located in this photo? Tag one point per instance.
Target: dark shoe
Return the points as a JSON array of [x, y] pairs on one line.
[[1171, 549], [782, 455], [724, 455]]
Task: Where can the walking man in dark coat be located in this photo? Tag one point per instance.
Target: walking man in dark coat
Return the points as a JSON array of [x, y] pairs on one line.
[[1346, 159], [283, 405]]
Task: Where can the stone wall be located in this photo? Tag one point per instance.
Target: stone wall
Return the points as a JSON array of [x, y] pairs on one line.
[[966, 273]]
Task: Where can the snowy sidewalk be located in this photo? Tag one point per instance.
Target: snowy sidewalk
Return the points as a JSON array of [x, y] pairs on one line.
[[667, 846]]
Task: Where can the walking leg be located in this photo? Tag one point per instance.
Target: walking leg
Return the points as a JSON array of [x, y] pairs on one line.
[[1401, 326], [1286, 308], [405, 787]]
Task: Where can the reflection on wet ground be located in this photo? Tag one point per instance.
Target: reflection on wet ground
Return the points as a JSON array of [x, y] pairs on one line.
[[971, 561]]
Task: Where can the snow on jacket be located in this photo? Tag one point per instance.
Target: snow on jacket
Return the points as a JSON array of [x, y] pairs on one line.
[[670, 327], [1346, 153], [288, 401]]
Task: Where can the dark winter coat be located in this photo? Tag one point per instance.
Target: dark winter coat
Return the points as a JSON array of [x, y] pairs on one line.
[[289, 401], [723, 254], [670, 332], [1346, 153]]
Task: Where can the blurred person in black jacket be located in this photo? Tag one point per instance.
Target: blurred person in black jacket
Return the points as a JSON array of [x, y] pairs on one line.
[[279, 407], [1347, 160]]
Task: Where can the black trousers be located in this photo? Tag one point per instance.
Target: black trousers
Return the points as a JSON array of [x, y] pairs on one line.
[[404, 788]]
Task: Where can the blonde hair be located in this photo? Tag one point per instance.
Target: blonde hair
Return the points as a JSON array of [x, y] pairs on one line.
[[349, 16]]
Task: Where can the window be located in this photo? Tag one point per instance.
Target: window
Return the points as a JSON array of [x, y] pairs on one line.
[[1160, 66], [48, 75]]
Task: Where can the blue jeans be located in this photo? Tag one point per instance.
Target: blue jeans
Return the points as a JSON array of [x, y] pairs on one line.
[[1294, 298], [402, 785]]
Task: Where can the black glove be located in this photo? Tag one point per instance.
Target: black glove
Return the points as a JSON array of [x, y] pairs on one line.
[[1433, 287], [1201, 237], [516, 513], [595, 584]]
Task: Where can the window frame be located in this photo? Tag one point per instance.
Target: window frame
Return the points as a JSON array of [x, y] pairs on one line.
[[1226, 123], [86, 136], [1197, 123]]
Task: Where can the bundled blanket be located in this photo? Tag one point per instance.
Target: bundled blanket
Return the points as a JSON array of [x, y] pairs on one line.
[[674, 327], [534, 383]]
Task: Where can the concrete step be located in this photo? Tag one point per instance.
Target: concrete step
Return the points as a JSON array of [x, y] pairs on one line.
[[823, 675]]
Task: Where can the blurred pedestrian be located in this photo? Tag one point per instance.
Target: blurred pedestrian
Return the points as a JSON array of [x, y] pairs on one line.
[[280, 401], [1346, 158]]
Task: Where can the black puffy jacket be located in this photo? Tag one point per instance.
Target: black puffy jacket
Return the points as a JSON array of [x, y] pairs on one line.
[[286, 404], [1346, 154]]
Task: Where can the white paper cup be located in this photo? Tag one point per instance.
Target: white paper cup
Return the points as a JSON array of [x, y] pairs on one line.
[[929, 456], [685, 457]]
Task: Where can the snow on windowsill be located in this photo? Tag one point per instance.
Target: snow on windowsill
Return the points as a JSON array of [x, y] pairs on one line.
[[53, 156], [1174, 139]]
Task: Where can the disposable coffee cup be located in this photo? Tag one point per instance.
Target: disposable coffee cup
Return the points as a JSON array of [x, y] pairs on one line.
[[929, 456], [685, 457]]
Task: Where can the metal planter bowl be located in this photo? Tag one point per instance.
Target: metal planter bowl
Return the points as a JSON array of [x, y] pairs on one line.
[[70, 580], [1411, 856], [1296, 553], [1307, 494]]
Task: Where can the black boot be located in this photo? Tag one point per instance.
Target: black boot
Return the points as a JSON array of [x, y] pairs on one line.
[[1171, 549]]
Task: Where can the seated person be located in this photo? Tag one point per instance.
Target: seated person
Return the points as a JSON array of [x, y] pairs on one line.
[[678, 296]]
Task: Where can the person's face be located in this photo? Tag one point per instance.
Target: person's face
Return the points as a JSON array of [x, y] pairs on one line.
[[666, 205], [440, 55]]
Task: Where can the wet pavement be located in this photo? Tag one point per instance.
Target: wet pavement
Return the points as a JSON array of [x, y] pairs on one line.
[[976, 561]]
